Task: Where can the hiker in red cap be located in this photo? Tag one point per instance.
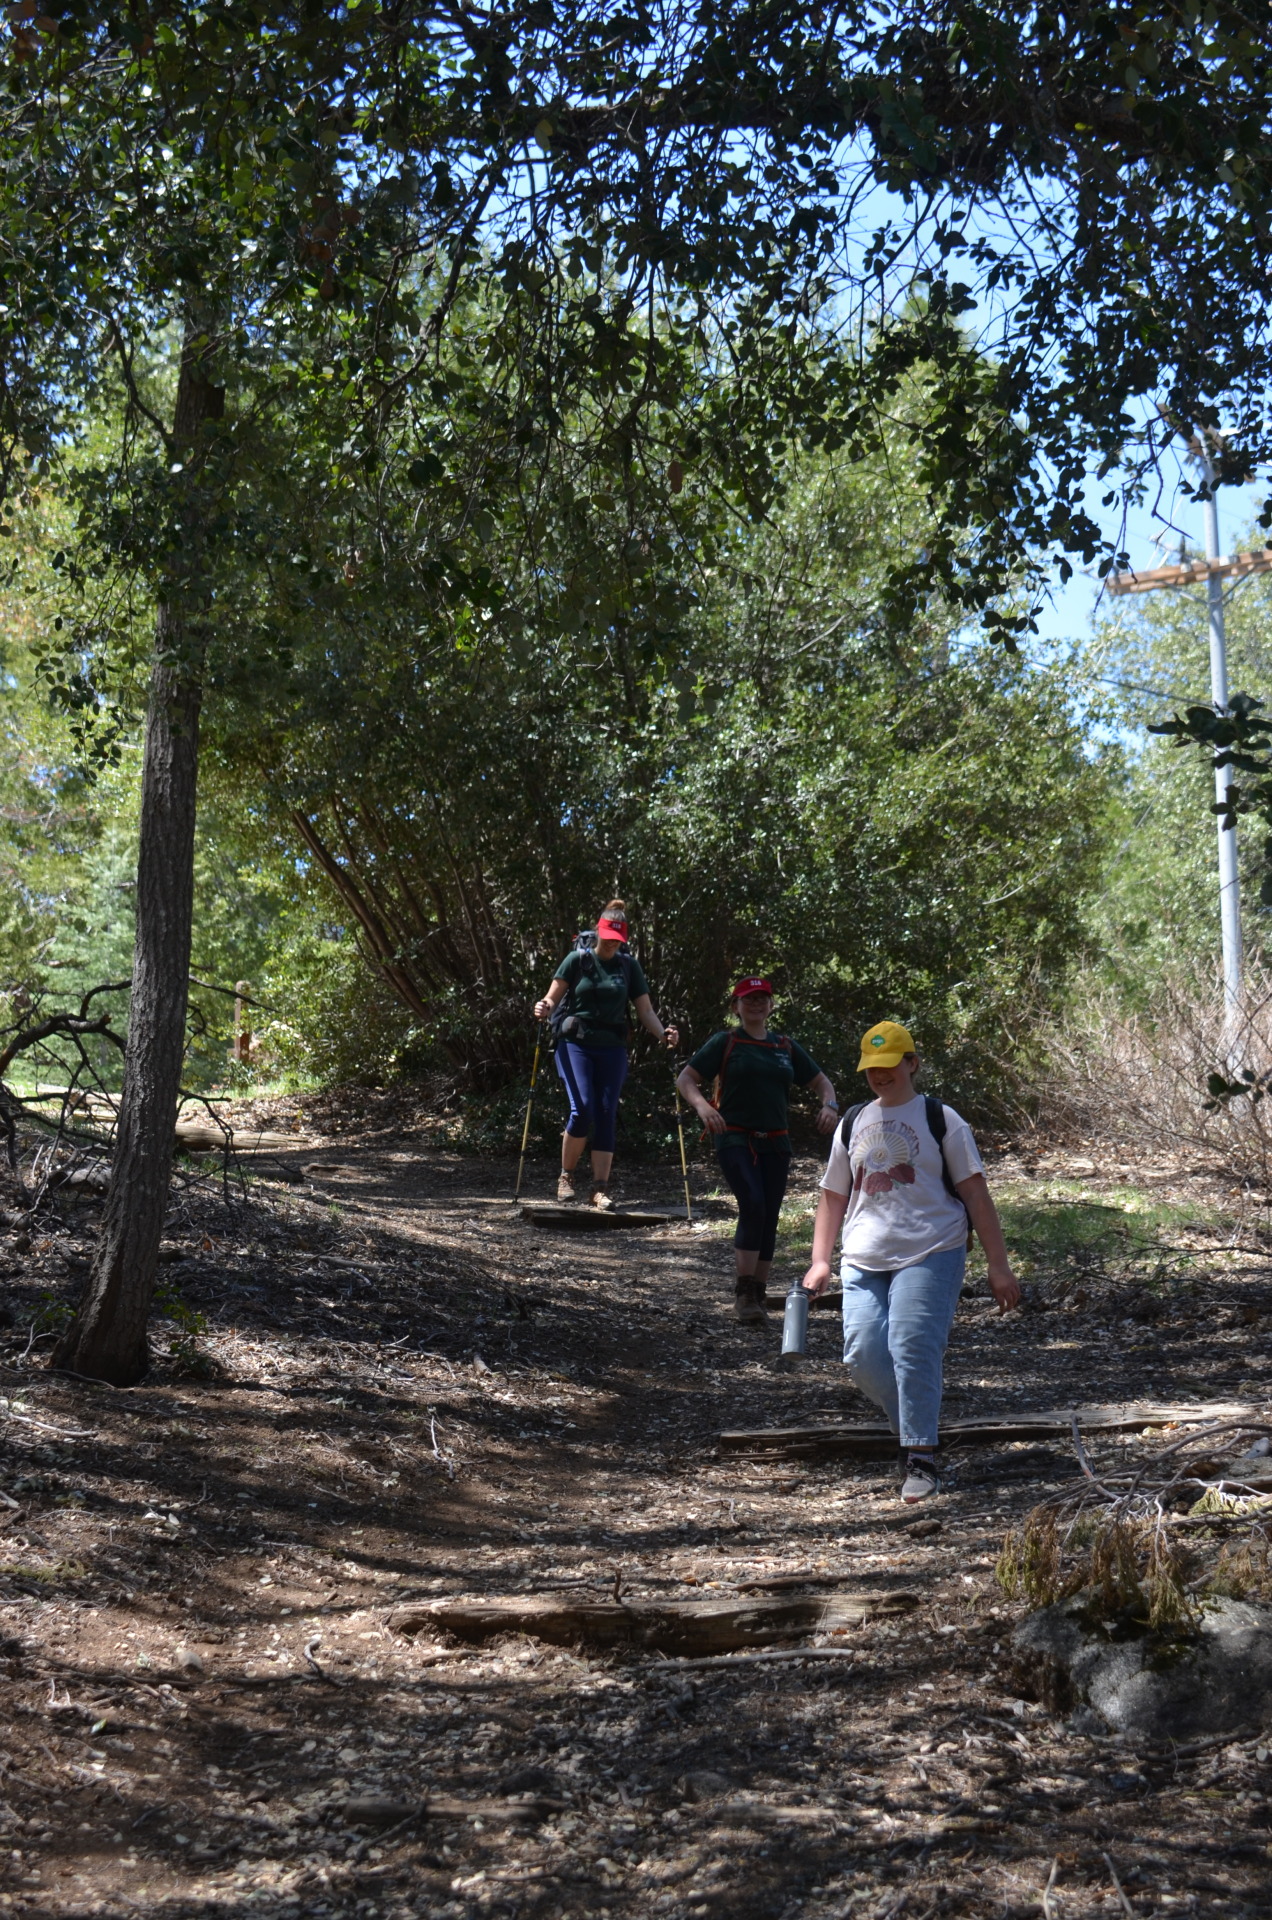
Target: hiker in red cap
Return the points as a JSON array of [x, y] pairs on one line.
[[754, 1071], [587, 1004]]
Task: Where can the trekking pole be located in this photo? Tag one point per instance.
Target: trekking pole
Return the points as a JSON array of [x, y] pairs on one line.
[[684, 1164], [525, 1131]]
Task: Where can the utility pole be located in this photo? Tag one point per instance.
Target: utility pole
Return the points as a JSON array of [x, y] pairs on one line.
[[1229, 884], [1213, 570]]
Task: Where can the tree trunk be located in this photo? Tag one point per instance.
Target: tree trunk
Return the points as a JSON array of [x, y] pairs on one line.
[[107, 1338]]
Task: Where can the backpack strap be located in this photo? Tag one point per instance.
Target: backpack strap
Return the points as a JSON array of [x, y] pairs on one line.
[[624, 959], [935, 1113], [739, 1039], [718, 1089], [563, 1011]]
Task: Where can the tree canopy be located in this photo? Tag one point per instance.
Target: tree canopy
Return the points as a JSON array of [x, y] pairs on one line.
[[1084, 187]]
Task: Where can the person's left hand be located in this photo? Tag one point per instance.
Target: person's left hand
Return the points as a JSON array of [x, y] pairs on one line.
[[672, 1036], [827, 1120]]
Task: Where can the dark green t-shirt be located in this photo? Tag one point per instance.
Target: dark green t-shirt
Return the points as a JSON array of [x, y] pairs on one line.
[[600, 1001], [757, 1080]]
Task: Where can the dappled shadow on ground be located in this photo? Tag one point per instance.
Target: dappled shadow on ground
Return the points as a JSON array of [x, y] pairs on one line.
[[421, 1396]]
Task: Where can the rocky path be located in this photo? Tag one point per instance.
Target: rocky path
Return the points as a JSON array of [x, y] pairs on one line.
[[212, 1710]]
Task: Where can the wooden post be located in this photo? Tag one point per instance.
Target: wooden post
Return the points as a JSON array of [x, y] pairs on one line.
[[242, 1048]]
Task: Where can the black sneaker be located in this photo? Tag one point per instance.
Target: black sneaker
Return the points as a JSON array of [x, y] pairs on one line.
[[921, 1478]]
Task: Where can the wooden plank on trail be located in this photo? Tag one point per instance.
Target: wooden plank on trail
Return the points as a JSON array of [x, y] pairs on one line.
[[592, 1219], [665, 1626], [871, 1440]]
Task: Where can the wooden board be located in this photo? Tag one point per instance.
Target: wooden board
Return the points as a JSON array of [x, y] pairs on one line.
[[591, 1219], [874, 1440], [664, 1626]]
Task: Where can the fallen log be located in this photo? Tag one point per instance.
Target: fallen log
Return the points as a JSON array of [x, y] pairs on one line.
[[870, 1440], [662, 1626]]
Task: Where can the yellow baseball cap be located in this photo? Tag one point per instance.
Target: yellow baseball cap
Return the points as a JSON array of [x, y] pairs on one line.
[[884, 1046]]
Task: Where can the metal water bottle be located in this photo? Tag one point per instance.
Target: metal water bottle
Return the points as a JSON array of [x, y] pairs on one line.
[[795, 1321]]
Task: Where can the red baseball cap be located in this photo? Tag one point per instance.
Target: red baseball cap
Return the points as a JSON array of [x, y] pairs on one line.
[[611, 929], [752, 984]]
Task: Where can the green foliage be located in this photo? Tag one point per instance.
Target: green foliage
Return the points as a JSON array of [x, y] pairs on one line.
[[716, 719], [409, 805], [185, 1348], [1055, 1228]]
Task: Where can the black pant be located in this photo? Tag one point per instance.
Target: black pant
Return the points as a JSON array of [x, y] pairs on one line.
[[757, 1174]]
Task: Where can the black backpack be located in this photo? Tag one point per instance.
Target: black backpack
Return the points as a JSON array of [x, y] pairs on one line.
[[934, 1112], [565, 1023]]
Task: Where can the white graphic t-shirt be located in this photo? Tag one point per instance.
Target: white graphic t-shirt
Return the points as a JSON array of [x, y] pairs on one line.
[[899, 1210]]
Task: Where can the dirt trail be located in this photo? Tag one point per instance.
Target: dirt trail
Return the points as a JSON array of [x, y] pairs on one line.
[[425, 1395]]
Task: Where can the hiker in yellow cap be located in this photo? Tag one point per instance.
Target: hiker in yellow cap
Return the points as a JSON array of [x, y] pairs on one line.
[[903, 1181]]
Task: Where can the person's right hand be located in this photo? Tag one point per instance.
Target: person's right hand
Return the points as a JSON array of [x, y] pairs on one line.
[[1005, 1288], [817, 1279], [713, 1120], [542, 1008]]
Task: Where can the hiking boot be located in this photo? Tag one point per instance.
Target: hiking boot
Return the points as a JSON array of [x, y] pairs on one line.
[[921, 1478], [601, 1198], [748, 1304], [565, 1187]]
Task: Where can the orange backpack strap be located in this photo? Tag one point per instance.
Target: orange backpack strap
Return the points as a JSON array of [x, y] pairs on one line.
[[736, 1039], [718, 1088]]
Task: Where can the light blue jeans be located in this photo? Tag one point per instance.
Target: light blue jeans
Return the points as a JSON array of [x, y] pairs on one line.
[[896, 1328]]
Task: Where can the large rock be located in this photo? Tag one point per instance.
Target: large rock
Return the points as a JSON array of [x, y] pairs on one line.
[[1170, 1684]]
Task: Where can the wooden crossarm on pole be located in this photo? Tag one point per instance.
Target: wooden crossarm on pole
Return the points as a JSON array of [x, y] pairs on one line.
[[1189, 572]]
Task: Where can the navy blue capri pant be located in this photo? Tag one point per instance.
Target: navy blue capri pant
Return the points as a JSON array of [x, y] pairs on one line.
[[593, 1078]]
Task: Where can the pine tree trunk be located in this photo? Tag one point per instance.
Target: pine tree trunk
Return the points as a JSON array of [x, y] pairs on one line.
[[107, 1339]]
